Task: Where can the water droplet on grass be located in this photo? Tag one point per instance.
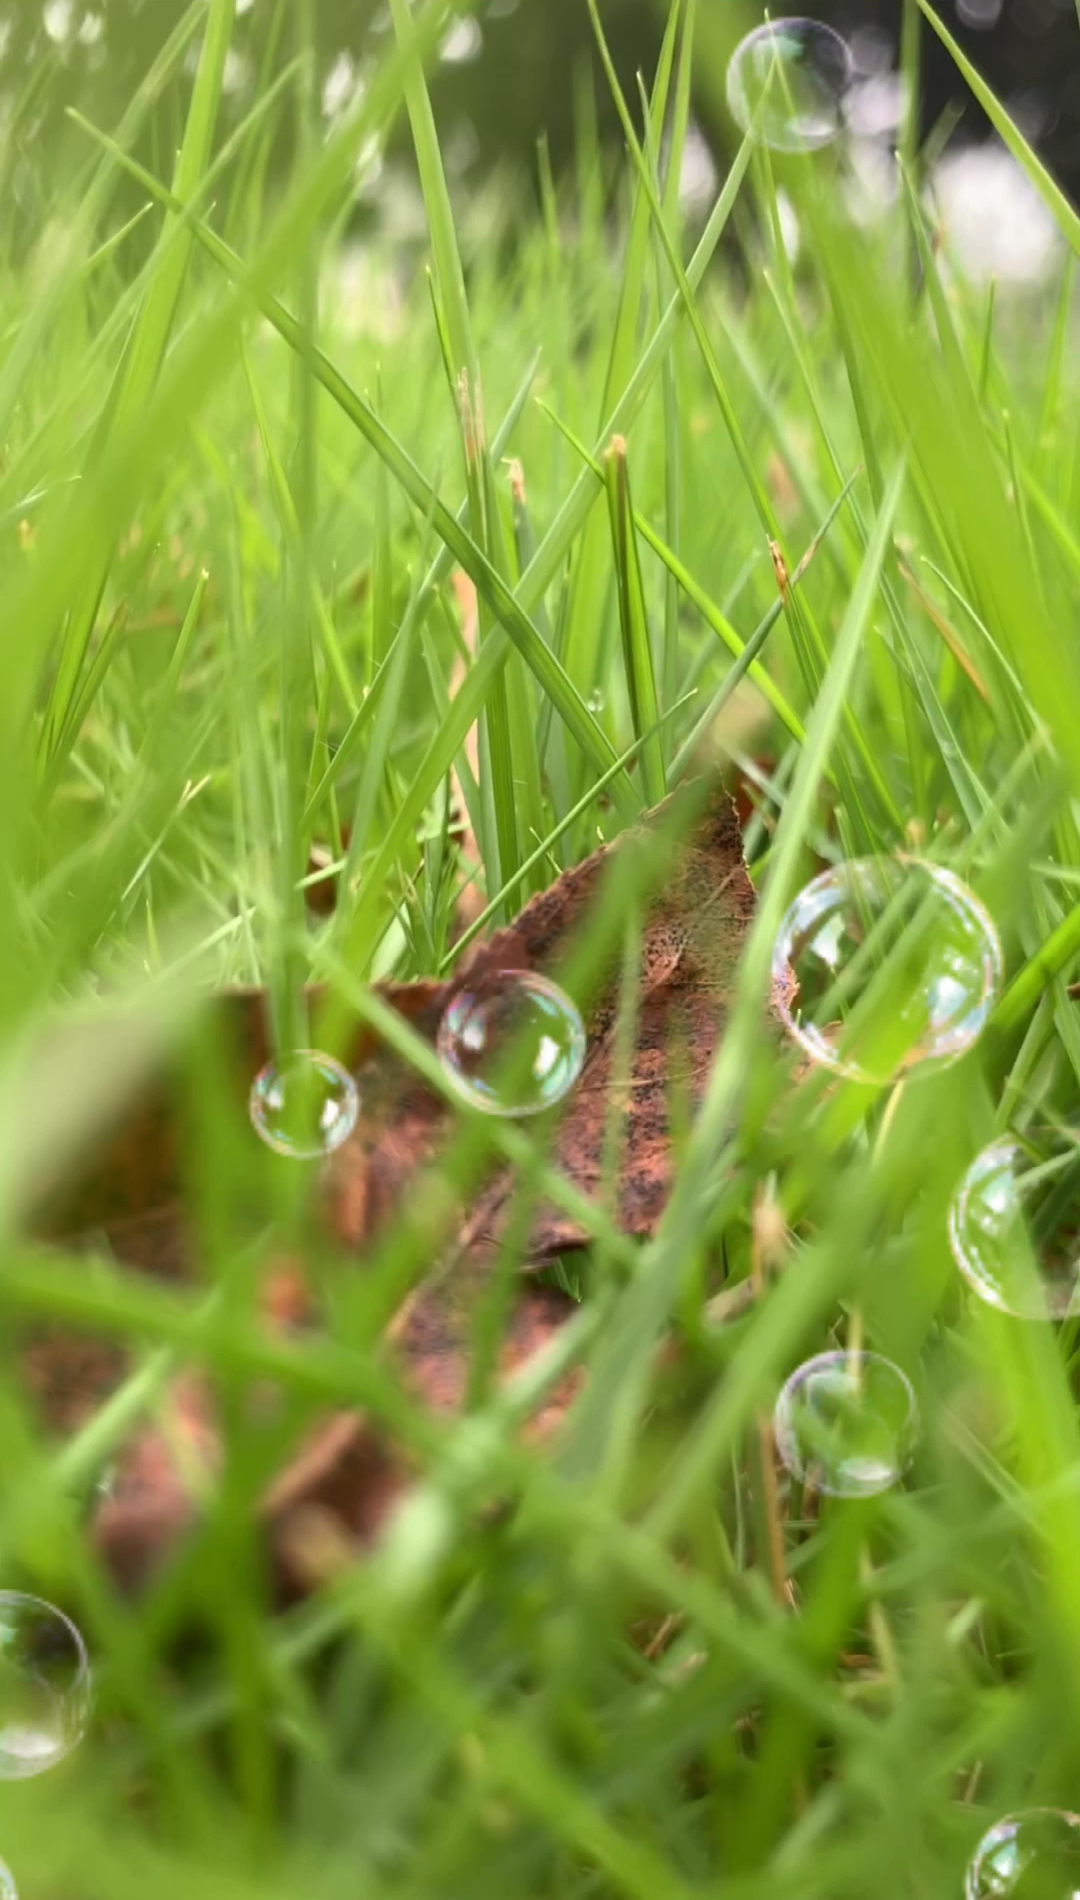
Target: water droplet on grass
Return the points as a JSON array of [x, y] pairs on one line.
[[44, 1686], [786, 84], [304, 1105], [847, 1423], [1031, 1855], [8, 1889], [1014, 1225], [885, 965], [513, 1042]]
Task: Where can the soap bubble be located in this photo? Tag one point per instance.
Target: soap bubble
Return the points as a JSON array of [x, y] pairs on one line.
[[44, 1686], [463, 42], [885, 965], [513, 1042], [786, 84], [8, 1889], [1014, 1224], [847, 1423], [1031, 1855], [304, 1105]]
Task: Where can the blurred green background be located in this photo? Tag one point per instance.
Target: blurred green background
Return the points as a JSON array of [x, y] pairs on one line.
[[511, 69]]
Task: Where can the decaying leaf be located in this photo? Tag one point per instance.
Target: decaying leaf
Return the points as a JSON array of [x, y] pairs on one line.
[[691, 936]]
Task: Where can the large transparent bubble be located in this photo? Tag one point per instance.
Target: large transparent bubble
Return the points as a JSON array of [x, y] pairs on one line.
[[886, 965], [1014, 1224], [513, 1042], [786, 84], [44, 1686], [1031, 1855], [847, 1423]]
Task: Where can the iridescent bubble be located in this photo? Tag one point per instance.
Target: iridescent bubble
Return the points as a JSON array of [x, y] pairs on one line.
[[8, 1889], [847, 1423], [44, 1686], [885, 965], [1031, 1855], [786, 84], [304, 1105], [513, 1042], [1014, 1224]]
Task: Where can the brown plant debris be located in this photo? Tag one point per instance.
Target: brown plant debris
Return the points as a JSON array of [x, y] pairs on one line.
[[129, 1194]]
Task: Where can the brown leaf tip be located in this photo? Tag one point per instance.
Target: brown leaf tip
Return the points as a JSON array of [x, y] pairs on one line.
[[780, 567]]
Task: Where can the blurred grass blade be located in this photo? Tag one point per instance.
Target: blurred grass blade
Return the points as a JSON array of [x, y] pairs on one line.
[[634, 624], [710, 612], [448, 271], [512, 617], [150, 338]]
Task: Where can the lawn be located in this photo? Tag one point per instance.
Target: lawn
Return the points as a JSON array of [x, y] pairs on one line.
[[375, 553]]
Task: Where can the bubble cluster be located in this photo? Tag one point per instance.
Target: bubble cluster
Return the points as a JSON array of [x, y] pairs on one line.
[[44, 1686], [1031, 1855], [304, 1105], [513, 1042], [885, 965], [1014, 1225], [847, 1423], [786, 84]]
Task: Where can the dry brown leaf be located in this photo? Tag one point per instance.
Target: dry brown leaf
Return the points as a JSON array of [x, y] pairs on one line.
[[692, 937]]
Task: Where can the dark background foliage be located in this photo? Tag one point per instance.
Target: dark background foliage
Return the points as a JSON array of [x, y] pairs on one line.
[[522, 79]]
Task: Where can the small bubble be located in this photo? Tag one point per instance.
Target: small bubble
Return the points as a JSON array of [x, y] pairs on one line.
[[462, 43], [8, 1889], [698, 176], [1014, 1225], [596, 701], [875, 108], [786, 84], [1031, 1855], [236, 75], [885, 965], [847, 1423], [304, 1105], [58, 19], [44, 1686], [872, 51], [980, 15], [513, 1042], [338, 85], [460, 147]]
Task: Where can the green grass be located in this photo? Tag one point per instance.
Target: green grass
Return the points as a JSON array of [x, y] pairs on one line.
[[246, 459]]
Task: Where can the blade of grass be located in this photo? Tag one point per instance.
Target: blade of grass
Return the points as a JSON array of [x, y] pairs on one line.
[[690, 587], [713, 1435], [634, 624], [513, 618], [150, 338], [544, 850]]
